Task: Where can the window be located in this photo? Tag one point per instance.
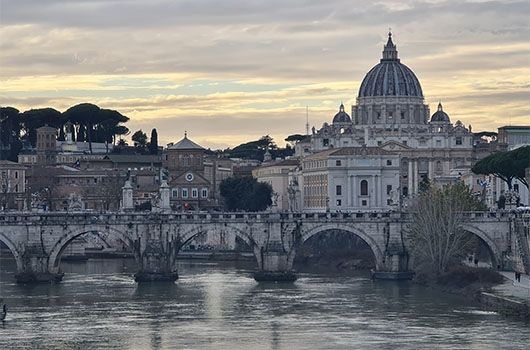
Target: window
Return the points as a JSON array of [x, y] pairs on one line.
[[516, 187], [438, 143], [405, 191], [458, 140], [405, 143], [16, 174], [325, 142], [338, 163], [338, 190], [175, 193], [364, 202], [204, 193], [184, 193], [364, 188], [402, 115], [194, 193], [339, 202], [389, 162], [16, 188], [379, 143], [388, 189]]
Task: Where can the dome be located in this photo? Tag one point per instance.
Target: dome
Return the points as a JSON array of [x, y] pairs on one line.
[[341, 117], [390, 77], [440, 115]]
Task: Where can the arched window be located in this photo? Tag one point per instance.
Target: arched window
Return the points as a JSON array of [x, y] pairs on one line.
[[364, 188]]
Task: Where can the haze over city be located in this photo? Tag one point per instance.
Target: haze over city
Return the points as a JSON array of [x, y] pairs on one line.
[[233, 71]]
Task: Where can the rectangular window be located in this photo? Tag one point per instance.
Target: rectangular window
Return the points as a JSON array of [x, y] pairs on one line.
[[204, 193], [338, 190], [379, 143], [338, 163], [339, 202], [388, 189], [516, 187], [388, 162], [458, 140], [184, 193], [438, 143], [175, 193], [194, 193], [364, 202], [16, 174]]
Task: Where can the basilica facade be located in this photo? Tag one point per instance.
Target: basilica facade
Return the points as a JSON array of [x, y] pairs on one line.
[[393, 124]]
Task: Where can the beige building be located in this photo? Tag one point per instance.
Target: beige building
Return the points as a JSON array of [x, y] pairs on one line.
[[276, 174], [391, 114], [12, 185], [350, 179]]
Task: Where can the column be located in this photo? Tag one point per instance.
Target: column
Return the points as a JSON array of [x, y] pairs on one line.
[[127, 196], [380, 183], [373, 195], [354, 187], [415, 170], [409, 177], [431, 169]]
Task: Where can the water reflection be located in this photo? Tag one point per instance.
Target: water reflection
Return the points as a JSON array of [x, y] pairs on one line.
[[221, 307]]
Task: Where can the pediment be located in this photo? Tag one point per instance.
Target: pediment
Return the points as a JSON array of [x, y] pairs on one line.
[[183, 179], [394, 146]]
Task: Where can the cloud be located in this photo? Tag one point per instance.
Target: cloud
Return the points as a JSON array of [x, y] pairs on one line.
[[238, 62]]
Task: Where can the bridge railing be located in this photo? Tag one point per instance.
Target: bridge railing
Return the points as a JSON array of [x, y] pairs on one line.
[[67, 217]]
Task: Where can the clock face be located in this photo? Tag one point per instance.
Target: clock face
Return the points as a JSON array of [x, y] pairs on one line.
[[189, 177]]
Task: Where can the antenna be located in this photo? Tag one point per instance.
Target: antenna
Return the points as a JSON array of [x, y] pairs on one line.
[[306, 120]]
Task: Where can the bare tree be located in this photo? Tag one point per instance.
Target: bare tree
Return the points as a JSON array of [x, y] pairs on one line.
[[436, 234], [109, 189]]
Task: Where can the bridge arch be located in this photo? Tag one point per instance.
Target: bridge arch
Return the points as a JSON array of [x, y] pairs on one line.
[[66, 239], [496, 255], [376, 250], [12, 248]]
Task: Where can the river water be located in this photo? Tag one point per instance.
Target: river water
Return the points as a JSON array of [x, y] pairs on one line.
[[218, 306]]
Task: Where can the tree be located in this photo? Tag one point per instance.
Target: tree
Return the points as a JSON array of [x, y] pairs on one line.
[[10, 127], [506, 165], [140, 140], [436, 234], [35, 118], [87, 115], [153, 144], [245, 193], [109, 126]]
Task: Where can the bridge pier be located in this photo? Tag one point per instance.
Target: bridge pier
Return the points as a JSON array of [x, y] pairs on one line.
[[35, 267], [274, 265], [395, 267], [156, 264]]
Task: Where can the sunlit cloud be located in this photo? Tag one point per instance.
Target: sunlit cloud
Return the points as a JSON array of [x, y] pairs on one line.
[[235, 70]]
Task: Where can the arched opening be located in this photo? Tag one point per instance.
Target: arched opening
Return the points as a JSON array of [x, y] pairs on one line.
[[8, 260], [226, 246], [337, 250], [96, 251], [364, 188], [479, 250]]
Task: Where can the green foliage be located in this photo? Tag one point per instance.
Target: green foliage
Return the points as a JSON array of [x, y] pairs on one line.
[[245, 193], [153, 143], [140, 140], [296, 138], [35, 118], [505, 165]]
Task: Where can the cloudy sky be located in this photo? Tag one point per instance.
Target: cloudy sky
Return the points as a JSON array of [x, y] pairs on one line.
[[229, 71]]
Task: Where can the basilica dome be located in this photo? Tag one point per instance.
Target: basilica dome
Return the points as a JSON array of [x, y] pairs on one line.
[[342, 116], [390, 77], [440, 115]]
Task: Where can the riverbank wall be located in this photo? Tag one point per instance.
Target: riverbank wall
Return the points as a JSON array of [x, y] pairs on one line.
[[504, 305]]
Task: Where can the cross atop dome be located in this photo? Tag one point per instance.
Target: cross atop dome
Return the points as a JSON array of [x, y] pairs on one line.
[[389, 50]]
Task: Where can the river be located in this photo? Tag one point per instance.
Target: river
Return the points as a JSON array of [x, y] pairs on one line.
[[218, 306]]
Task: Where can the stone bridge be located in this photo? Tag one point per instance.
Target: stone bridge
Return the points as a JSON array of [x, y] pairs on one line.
[[37, 240]]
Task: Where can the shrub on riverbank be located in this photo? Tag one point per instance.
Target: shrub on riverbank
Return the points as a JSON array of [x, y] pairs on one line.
[[462, 279]]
